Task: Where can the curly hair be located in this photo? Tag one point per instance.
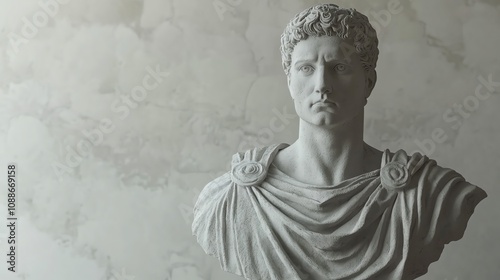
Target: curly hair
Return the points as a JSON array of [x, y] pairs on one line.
[[331, 20]]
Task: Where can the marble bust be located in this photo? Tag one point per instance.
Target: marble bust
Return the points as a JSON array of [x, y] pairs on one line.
[[330, 206]]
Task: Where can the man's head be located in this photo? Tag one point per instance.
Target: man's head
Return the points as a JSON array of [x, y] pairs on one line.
[[331, 20], [329, 55]]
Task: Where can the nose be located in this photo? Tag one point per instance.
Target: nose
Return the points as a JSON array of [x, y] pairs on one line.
[[323, 84]]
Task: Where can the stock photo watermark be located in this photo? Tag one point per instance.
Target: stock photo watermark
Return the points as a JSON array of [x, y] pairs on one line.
[[265, 136], [223, 6], [380, 19], [122, 107], [458, 113], [31, 26], [11, 222]]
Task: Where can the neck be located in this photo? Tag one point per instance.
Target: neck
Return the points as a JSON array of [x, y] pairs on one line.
[[331, 154]]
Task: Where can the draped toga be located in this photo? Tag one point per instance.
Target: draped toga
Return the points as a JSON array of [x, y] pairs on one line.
[[390, 223]]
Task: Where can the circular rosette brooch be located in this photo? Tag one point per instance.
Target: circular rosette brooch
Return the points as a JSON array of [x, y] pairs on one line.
[[394, 175], [248, 173]]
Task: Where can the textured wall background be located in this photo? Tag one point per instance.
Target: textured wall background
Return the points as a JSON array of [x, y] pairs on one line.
[[112, 151]]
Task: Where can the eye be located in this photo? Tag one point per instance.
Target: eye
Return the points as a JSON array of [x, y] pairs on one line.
[[340, 67], [306, 69]]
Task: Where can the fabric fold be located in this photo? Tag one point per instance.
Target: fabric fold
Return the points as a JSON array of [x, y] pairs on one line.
[[390, 223]]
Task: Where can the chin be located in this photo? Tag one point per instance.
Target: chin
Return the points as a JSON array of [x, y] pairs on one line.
[[330, 120]]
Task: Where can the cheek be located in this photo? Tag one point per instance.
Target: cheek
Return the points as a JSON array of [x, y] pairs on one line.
[[298, 90], [294, 90], [355, 88]]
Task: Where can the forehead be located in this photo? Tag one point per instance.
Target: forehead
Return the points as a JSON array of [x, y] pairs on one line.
[[328, 47]]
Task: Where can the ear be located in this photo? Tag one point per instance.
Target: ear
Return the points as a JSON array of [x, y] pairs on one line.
[[371, 80]]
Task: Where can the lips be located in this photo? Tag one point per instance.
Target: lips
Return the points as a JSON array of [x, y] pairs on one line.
[[326, 102]]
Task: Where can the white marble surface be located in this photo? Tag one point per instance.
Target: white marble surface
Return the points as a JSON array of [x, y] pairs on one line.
[[123, 209]]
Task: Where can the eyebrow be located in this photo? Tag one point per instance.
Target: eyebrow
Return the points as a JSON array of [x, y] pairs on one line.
[[328, 61], [303, 60]]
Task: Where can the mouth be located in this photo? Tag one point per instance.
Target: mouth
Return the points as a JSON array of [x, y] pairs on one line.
[[325, 102]]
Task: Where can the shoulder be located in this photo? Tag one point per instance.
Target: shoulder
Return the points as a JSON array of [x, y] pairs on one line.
[[250, 168], [436, 190], [417, 164], [398, 169], [214, 188], [224, 204], [441, 202]]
